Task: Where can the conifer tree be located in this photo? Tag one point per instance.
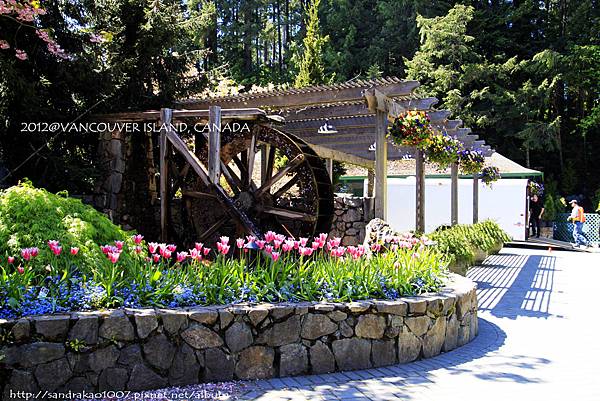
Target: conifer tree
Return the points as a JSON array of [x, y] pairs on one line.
[[311, 69]]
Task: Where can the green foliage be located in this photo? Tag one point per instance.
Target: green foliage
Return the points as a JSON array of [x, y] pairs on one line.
[[549, 208], [30, 217], [311, 68], [460, 242]]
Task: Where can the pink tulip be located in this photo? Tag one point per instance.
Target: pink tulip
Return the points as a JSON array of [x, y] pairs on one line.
[[166, 254], [11, 260], [305, 251], [181, 256], [119, 244], [74, 250], [250, 238], [57, 250], [34, 251], [275, 256], [224, 240], [224, 249], [322, 237], [137, 238], [270, 236], [171, 248], [240, 242], [52, 243], [21, 270], [277, 243], [269, 249], [198, 246], [138, 249], [206, 251], [376, 247], [105, 249], [261, 244], [156, 258], [113, 257], [26, 254], [303, 242], [152, 247], [315, 245], [286, 247]]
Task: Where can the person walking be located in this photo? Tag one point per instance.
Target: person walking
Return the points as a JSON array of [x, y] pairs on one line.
[[578, 218], [536, 211]]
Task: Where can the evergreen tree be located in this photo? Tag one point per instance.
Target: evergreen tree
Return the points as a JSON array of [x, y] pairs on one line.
[[311, 70]]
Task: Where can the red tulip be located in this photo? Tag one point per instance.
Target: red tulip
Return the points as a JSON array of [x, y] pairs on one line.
[[57, 250], [74, 250], [11, 260], [119, 244], [156, 258], [21, 270], [137, 238]]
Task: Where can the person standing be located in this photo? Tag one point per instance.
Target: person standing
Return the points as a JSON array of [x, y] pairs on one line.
[[578, 218], [536, 211]]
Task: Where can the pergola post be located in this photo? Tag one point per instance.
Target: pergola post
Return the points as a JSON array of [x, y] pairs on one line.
[[214, 144], [370, 182], [381, 165], [454, 194], [329, 166], [166, 116], [475, 198], [420, 192]]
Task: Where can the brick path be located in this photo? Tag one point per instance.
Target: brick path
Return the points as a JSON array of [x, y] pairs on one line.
[[538, 340]]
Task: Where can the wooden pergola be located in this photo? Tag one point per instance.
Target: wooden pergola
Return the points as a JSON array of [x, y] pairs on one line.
[[358, 114]]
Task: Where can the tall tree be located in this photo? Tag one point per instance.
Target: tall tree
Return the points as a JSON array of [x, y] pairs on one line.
[[311, 69]]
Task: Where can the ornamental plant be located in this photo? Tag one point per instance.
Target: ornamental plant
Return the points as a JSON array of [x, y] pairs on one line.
[[489, 175], [133, 273], [471, 161], [443, 150], [536, 188], [413, 128]]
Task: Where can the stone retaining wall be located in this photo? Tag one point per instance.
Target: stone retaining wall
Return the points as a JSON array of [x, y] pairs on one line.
[[154, 348], [351, 217]]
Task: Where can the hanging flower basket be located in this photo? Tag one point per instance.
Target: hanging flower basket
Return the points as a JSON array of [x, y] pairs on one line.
[[536, 188], [443, 150], [470, 161], [412, 128], [490, 175]]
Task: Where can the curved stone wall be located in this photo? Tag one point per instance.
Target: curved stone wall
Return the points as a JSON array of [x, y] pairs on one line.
[[139, 349]]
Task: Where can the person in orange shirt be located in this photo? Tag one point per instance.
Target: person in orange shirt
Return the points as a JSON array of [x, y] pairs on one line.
[[578, 218]]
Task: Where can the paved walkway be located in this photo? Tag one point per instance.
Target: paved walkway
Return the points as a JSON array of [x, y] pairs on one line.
[[538, 340]]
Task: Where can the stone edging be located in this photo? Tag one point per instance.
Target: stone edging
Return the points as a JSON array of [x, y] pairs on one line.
[[139, 349]]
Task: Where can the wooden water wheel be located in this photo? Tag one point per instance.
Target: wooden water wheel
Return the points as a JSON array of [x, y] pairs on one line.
[[269, 180]]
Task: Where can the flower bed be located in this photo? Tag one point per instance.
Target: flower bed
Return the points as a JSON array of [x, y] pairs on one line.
[[135, 274]]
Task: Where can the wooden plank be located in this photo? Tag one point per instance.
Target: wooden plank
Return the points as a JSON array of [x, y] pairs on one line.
[[165, 120], [302, 97], [420, 192], [475, 198], [234, 114], [191, 158], [214, 144], [328, 153], [350, 110], [381, 166], [329, 166], [454, 194]]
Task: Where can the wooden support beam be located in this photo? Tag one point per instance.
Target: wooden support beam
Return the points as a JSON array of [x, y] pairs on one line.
[[475, 198], [297, 98], [454, 194], [420, 192], [329, 166], [327, 153], [370, 182], [214, 144], [381, 166], [165, 122]]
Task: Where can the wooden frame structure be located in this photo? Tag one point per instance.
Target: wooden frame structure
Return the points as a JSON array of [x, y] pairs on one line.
[[360, 111]]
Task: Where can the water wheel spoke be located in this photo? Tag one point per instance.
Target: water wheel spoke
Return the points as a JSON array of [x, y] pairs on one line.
[[287, 213], [198, 195], [293, 165], [232, 179], [251, 152], [268, 157], [212, 229], [286, 187]]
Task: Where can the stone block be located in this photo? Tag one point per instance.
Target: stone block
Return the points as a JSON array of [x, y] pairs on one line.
[[117, 327], [409, 347], [451, 338], [159, 352], [281, 311], [20, 380], [103, 358], [85, 329], [144, 378], [238, 336], [53, 374], [418, 325], [219, 366], [225, 318], [358, 306], [185, 368], [316, 325], [293, 360], [145, 324], [255, 363], [131, 355], [200, 337], [21, 330], [337, 316], [395, 307], [321, 358], [352, 353], [113, 379], [52, 327], [383, 352], [416, 306], [202, 315], [29, 355], [370, 326], [173, 320], [257, 315], [434, 339]]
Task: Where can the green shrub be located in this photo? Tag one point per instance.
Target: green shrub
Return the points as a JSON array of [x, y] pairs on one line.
[[549, 209], [460, 242], [29, 217]]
